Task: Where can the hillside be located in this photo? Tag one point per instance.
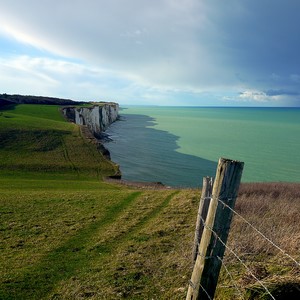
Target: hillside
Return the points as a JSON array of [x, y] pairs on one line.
[[36, 140], [67, 234]]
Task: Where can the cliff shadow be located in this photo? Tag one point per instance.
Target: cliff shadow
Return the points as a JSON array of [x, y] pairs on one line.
[[148, 154]]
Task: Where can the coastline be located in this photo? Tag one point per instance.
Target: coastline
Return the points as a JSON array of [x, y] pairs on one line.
[[179, 146], [87, 134]]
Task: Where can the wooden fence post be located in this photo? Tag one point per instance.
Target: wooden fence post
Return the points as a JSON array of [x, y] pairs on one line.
[[208, 263], [206, 192]]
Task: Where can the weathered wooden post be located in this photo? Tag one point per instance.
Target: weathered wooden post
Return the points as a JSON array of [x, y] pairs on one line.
[[206, 192], [207, 266]]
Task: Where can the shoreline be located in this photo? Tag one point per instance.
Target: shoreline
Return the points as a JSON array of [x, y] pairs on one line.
[[152, 146], [87, 134], [258, 188]]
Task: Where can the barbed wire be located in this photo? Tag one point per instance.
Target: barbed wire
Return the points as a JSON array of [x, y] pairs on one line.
[[254, 228], [260, 233], [204, 290], [203, 221], [231, 277], [238, 258], [243, 263]]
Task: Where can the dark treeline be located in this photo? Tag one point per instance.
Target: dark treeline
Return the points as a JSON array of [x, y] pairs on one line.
[[6, 99]]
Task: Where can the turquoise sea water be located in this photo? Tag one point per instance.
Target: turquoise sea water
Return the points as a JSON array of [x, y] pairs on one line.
[[180, 145]]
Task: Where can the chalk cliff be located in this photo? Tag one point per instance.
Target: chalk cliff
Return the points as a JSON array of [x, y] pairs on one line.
[[97, 117], [94, 120]]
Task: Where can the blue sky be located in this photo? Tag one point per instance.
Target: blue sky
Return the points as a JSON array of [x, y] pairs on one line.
[[158, 52]]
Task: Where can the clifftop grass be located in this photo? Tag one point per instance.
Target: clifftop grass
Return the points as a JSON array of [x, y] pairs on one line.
[[36, 139], [69, 239], [66, 234]]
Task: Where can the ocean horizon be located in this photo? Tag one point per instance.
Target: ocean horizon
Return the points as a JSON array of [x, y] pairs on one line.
[[179, 145]]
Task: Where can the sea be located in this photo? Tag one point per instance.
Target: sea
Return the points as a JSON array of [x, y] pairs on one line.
[[178, 146]]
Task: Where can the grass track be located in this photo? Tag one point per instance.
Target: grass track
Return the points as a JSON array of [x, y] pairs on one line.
[[65, 234], [94, 238], [62, 262]]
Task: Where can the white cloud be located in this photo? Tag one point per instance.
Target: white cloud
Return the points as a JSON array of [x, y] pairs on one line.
[[46, 76], [257, 96], [163, 46], [160, 42], [270, 98], [57, 77]]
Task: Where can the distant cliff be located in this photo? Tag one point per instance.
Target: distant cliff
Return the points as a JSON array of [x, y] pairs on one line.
[[97, 117]]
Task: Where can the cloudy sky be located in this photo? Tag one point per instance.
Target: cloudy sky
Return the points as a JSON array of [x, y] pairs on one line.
[[160, 52]]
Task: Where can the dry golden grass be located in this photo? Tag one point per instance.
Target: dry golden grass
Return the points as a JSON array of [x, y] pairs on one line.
[[274, 209], [141, 249]]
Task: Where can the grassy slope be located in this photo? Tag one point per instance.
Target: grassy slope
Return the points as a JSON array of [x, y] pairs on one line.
[[67, 235], [81, 242], [35, 139]]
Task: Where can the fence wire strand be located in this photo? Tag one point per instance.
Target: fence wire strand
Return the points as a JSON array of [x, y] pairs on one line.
[[202, 199], [206, 292], [239, 259], [260, 233], [231, 277]]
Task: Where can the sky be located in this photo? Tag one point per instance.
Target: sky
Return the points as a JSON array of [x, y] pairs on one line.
[[158, 52]]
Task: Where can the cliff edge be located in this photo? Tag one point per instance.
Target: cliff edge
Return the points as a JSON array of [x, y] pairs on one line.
[[97, 117], [94, 120]]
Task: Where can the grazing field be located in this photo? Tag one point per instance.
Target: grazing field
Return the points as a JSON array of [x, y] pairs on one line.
[[67, 234]]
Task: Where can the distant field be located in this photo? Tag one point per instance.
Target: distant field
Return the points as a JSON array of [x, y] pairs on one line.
[[67, 234], [36, 139]]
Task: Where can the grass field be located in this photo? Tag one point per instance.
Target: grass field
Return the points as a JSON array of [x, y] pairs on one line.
[[37, 139], [67, 234], [83, 241]]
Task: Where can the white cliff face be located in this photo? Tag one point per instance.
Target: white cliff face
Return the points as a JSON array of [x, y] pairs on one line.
[[97, 118]]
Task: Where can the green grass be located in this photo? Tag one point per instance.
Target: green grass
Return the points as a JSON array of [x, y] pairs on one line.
[[51, 232], [36, 139], [51, 235], [60, 222], [67, 234]]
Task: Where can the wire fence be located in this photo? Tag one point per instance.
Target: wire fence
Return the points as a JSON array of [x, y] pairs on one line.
[[237, 257]]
